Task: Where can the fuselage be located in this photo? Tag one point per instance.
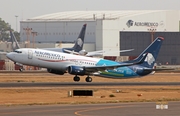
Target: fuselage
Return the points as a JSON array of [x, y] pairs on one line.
[[61, 61]]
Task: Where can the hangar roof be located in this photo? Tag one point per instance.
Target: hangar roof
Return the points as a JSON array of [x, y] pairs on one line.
[[89, 15]]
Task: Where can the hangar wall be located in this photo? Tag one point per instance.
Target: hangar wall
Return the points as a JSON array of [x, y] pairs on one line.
[[169, 52], [160, 20], [107, 30], [57, 31], [107, 37]]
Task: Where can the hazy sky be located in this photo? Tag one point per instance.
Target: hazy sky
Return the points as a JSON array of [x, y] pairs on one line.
[[25, 9]]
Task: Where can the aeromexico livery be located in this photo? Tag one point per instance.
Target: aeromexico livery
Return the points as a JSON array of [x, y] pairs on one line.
[[60, 63], [76, 48]]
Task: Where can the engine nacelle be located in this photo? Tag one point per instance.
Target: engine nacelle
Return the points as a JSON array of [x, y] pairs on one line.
[[142, 71], [76, 70], [58, 72]]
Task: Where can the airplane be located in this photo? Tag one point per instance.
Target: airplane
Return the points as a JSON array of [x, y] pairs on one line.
[[60, 63], [76, 48]]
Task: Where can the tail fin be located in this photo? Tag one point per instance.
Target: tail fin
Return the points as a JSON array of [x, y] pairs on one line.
[[15, 44], [152, 50], [80, 40]]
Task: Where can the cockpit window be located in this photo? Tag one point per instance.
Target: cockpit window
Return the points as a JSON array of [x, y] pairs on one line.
[[18, 51]]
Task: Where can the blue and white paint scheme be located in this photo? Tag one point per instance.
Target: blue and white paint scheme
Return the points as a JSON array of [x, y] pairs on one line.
[[78, 46], [60, 63]]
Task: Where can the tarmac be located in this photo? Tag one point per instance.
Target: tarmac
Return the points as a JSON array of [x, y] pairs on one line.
[[115, 109], [85, 84]]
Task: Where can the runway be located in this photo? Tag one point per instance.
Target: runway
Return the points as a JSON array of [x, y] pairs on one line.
[[117, 109], [78, 84]]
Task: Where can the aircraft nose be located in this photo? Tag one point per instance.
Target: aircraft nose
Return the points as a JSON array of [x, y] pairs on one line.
[[9, 55]]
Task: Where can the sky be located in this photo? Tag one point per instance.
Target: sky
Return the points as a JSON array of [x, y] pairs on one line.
[[25, 9]]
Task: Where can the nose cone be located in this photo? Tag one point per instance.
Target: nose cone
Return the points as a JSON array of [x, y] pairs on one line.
[[9, 55]]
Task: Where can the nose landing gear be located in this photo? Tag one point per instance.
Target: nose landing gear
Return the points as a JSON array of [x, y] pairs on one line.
[[21, 69]]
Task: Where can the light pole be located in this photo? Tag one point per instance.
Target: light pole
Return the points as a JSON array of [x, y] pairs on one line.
[[34, 34], [28, 32], [16, 21], [152, 31]]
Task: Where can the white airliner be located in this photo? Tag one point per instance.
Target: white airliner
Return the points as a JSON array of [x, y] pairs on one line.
[[60, 63]]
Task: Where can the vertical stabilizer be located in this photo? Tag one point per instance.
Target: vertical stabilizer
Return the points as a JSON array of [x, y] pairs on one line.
[[15, 44], [152, 52], [80, 40]]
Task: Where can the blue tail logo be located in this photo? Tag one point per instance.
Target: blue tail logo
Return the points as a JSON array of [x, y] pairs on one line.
[[152, 50], [150, 59], [80, 40]]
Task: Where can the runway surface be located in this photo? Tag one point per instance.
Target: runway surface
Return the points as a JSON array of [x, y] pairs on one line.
[[118, 109], [74, 84]]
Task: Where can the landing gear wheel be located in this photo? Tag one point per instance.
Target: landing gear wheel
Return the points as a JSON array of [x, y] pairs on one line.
[[88, 79], [76, 79], [21, 69]]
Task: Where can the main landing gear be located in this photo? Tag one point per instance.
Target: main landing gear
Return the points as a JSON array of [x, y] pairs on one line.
[[88, 79], [77, 79]]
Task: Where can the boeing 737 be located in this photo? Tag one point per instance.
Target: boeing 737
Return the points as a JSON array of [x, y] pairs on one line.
[[76, 48], [60, 63]]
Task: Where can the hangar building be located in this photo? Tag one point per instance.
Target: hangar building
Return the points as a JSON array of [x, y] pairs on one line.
[[110, 30]]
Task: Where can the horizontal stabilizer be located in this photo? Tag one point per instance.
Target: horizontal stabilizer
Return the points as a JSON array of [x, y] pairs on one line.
[[160, 69]]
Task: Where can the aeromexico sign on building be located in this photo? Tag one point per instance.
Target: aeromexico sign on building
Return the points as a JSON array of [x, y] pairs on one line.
[[131, 23]]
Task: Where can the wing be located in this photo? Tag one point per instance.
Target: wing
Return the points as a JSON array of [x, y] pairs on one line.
[[101, 52], [90, 69], [71, 52], [94, 53]]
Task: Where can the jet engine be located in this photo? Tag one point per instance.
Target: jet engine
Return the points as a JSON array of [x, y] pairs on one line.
[[76, 70], [58, 72], [142, 71]]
